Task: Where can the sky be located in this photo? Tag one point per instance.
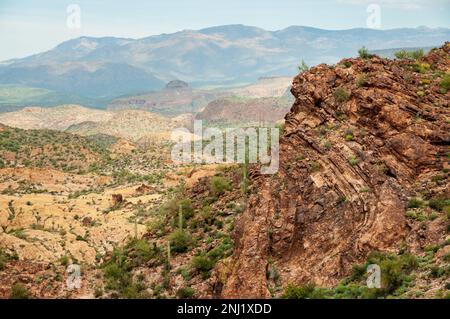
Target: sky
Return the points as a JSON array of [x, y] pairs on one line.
[[32, 26]]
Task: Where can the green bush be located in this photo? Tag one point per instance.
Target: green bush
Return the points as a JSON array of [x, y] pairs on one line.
[[219, 185], [364, 53], [308, 291], [139, 252], [185, 293], [415, 203], [439, 204], [413, 55], [394, 269], [186, 208], [353, 161], [202, 263], [3, 260], [361, 80], [445, 83], [64, 260], [421, 67], [341, 95], [180, 240], [19, 291]]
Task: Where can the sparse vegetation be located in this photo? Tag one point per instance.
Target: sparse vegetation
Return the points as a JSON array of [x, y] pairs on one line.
[[185, 293], [412, 55], [445, 83], [180, 240], [341, 95], [19, 291], [361, 80], [219, 185], [364, 53]]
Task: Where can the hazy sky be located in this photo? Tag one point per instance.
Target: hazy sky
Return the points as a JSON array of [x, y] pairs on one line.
[[32, 26]]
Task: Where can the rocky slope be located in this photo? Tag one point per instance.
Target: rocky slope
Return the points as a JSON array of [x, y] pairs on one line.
[[365, 152]]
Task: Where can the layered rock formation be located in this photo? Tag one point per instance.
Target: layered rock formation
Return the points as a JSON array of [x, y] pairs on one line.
[[361, 139]]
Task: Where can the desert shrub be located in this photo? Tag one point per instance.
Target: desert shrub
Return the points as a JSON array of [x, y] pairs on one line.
[[394, 269], [437, 178], [3, 259], [180, 240], [222, 250], [20, 233], [439, 204], [421, 67], [436, 272], [118, 269], [413, 55], [445, 83], [219, 185], [361, 80], [19, 291], [416, 215], [202, 263], [364, 53], [341, 95], [186, 207], [139, 251], [308, 291], [415, 203], [64, 260], [353, 161], [402, 54], [349, 136], [347, 64], [416, 54], [315, 166], [185, 293]]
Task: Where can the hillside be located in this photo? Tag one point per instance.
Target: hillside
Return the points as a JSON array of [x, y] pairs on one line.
[[56, 118], [128, 124], [49, 149], [364, 177], [104, 68]]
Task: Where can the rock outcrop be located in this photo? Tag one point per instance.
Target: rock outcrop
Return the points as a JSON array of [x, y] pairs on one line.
[[361, 139]]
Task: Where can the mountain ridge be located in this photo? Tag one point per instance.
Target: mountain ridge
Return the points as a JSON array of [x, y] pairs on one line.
[[220, 55]]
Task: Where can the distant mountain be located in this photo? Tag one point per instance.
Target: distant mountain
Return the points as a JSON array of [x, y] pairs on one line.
[[110, 67]]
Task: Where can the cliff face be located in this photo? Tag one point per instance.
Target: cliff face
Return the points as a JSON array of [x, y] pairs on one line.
[[362, 138]]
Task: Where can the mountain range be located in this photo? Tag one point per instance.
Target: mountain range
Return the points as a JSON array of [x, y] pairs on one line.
[[109, 67]]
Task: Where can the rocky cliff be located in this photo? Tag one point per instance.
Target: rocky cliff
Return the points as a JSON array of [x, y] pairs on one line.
[[364, 140]]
